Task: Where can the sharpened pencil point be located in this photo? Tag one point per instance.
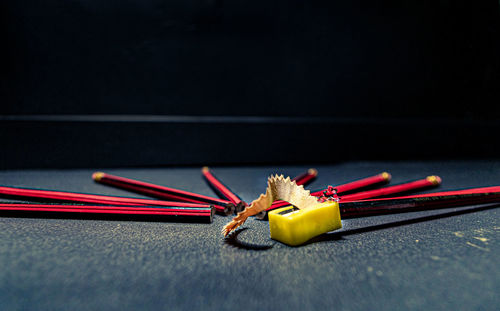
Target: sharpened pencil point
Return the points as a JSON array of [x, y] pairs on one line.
[[205, 169], [240, 207], [434, 179], [229, 209], [97, 176]]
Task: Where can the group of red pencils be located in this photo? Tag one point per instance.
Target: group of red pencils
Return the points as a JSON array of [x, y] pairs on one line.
[[359, 198]]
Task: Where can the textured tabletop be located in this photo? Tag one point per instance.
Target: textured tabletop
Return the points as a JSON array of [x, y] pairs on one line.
[[437, 260]]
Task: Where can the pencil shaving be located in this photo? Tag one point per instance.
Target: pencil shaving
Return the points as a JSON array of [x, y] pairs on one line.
[[278, 188]]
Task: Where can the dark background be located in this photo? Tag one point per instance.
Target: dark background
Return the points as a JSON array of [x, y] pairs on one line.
[[135, 83]]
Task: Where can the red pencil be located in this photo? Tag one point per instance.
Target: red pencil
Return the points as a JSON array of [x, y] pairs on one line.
[[430, 181], [136, 212], [379, 179], [65, 196], [362, 208], [222, 190], [454, 192], [221, 206], [306, 177]]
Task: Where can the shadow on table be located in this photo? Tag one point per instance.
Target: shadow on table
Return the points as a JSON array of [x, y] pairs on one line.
[[232, 240], [334, 236]]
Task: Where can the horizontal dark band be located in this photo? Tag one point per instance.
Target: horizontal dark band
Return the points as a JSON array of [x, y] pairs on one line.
[[124, 141]]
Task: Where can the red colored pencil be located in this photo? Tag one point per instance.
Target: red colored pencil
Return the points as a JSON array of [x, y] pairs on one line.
[[378, 179], [306, 177], [447, 199], [222, 190], [64, 196], [154, 212], [221, 206], [453, 192], [430, 181]]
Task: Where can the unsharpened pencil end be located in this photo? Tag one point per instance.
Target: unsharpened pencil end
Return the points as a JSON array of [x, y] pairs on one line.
[[386, 176], [434, 179], [205, 169], [97, 176], [313, 172]]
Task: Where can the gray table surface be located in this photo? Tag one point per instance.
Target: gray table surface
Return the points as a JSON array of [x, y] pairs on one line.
[[445, 262]]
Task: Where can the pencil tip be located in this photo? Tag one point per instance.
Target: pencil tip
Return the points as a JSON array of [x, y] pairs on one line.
[[386, 176], [434, 179], [205, 169], [312, 171], [229, 209], [97, 176]]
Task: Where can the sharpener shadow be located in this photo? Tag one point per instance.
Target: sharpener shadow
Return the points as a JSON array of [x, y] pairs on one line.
[[232, 240], [336, 236]]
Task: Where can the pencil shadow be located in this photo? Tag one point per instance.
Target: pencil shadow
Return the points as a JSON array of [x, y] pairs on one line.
[[334, 236], [109, 217], [233, 240]]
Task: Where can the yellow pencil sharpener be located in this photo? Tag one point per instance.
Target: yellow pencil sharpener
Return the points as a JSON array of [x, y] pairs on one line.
[[294, 226]]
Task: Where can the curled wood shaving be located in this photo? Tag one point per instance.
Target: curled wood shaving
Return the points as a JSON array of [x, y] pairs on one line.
[[278, 188]]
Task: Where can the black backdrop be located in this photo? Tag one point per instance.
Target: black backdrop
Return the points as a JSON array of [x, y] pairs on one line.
[[417, 79]]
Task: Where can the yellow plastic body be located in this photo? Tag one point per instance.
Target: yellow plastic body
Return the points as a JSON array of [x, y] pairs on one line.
[[294, 226]]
